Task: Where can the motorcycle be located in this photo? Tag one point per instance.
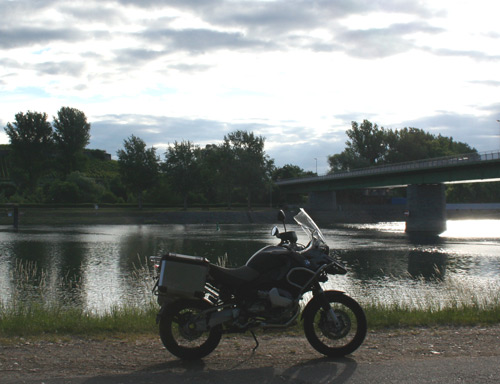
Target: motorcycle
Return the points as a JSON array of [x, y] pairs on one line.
[[201, 301]]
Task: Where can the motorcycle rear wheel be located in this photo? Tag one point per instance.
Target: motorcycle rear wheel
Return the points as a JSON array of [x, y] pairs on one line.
[[322, 333], [179, 334]]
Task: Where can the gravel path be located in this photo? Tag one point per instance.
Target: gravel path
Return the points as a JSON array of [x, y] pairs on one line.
[[80, 360]]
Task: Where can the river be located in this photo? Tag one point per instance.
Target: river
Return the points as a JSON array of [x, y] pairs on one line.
[[101, 266]]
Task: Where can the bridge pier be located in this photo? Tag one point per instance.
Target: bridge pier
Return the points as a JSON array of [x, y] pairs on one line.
[[322, 200], [426, 205]]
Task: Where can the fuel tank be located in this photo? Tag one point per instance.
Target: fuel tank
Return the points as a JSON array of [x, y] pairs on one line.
[[270, 258]]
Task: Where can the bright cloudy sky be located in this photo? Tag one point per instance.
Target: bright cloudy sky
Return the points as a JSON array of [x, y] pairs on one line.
[[294, 71]]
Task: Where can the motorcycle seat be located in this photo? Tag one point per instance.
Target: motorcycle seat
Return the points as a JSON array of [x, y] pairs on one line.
[[233, 277]]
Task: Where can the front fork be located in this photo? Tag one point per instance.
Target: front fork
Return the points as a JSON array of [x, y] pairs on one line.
[[325, 304]]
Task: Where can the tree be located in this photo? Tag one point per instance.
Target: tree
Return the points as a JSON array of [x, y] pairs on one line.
[[290, 171], [31, 139], [369, 146], [252, 167], [410, 144], [182, 167], [367, 142], [139, 167], [72, 135]]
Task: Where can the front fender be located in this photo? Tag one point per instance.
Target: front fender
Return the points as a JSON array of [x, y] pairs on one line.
[[318, 297]]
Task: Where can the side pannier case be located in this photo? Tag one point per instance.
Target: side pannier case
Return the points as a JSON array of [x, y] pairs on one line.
[[182, 276]]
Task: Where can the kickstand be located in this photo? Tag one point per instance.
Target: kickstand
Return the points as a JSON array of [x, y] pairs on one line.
[[256, 342]]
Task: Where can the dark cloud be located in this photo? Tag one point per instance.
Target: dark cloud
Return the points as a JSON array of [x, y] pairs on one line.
[[69, 68], [136, 56], [29, 36], [102, 11], [200, 40]]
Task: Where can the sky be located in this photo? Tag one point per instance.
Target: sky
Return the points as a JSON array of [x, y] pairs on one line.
[[296, 72]]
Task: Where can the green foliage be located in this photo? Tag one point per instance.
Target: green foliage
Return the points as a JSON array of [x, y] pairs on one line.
[[101, 168], [182, 167], [370, 145], [77, 188], [251, 167], [473, 193], [139, 167], [367, 142], [289, 171], [71, 135], [31, 142]]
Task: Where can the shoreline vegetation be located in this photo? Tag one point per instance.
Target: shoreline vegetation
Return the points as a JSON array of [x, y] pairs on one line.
[[40, 317], [35, 320]]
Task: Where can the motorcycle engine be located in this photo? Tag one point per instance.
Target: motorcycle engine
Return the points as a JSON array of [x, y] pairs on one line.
[[275, 305]]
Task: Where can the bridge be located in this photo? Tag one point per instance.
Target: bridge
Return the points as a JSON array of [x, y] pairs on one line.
[[424, 179]]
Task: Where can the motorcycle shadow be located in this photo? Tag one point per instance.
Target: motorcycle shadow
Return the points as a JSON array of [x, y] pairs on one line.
[[322, 370]]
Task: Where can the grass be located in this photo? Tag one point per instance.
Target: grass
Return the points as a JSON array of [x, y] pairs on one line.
[[34, 319]]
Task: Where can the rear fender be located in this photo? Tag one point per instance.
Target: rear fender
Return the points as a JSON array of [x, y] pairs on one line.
[[167, 305]]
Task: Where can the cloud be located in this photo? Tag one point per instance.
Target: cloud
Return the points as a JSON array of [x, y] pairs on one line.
[[383, 42], [286, 144], [70, 68], [200, 40], [472, 54], [109, 131], [488, 83], [29, 36]]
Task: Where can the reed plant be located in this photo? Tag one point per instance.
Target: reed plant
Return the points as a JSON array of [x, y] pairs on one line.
[[458, 303]]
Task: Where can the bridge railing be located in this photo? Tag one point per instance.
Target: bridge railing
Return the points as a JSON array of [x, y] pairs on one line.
[[409, 165]]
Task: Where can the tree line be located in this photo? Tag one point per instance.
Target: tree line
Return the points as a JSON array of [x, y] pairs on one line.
[[49, 163], [370, 145]]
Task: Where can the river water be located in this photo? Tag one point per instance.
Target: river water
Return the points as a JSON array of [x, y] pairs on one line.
[[101, 266]]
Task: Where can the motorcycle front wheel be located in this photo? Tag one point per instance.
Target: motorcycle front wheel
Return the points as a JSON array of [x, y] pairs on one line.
[[179, 333], [334, 339]]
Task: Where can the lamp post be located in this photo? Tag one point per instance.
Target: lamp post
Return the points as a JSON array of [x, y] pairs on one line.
[[316, 165], [498, 121]]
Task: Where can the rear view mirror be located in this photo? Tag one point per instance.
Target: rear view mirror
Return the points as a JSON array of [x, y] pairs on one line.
[[281, 215], [275, 231]]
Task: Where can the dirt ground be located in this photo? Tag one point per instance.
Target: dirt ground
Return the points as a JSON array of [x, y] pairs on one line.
[[26, 360]]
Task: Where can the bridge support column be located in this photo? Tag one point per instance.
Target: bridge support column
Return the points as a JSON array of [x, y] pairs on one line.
[[426, 205], [322, 200]]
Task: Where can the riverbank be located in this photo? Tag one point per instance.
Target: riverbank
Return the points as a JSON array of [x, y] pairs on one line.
[[110, 215]]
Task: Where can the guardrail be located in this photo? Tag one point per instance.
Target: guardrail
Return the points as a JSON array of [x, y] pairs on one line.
[[409, 165]]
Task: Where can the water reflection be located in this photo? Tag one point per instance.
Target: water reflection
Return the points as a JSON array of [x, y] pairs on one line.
[[427, 264], [97, 267]]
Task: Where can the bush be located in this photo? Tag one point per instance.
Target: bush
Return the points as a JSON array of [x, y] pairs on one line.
[[64, 192]]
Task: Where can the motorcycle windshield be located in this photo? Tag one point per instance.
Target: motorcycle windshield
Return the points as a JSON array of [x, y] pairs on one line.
[[309, 227]]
